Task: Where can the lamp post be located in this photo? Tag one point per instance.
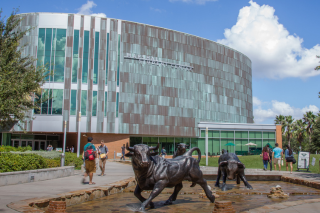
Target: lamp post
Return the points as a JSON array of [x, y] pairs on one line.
[[78, 147], [206, 146], [64, 143]]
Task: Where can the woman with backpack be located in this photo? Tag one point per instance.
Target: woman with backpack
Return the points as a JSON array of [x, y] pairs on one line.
[[289, 157], [265, 157]]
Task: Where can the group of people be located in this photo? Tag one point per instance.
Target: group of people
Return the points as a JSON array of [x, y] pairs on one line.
[[277, 156], [70, 149]]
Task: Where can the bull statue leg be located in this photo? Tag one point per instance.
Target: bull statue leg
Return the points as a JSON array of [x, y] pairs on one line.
[[238, 179], [158, 187], [243, 178], [173, 197], [137, 193], [224, 179], [218, 177], [203, 183]]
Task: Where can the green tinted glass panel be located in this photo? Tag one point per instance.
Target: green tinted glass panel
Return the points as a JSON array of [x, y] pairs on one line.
[[194, 143], [73, 102], [15, 136], [203, 133], [105, 103], [168, 145], [227, 134], [238, 143], [186, 141], [258, 134], [252, 135], [94, 103], [118, 69], [201, 145], [41, 43], [146, 140], [54, 41], [162, 139], [117, 107], [272, 135], [24, 136], [75, 43], [154, 140], [210, 134], [84, 102], [265, 135], [135, 140], [215, 146], [37, 102], [44, 102], [210, 146], [215, 134], [74, 70], [238, 134], [57, 101], [61, 40], [50, 102], [107, 60], [178, 140], [96, 58], [245, 134], [47, 52], [85, 57]]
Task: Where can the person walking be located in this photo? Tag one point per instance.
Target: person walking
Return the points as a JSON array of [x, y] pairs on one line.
[[89, 155], [163, 152], [123, 149], [103, 156], [265, 157], [277, 155], [289, 157], [270, 156], [72, 149]]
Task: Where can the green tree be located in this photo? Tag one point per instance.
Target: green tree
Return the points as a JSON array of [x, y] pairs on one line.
[[288, 125], [19, 77], [280, 119], [316, 134], [309, 119], [299, 131]]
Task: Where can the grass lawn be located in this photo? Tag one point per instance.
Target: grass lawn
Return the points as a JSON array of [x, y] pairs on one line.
[[255, 162]]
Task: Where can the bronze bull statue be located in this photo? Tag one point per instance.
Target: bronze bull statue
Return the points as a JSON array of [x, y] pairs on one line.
[[155, 173]]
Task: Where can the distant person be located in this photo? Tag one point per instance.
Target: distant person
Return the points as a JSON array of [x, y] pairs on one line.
[[72, 149], [265, 157], [270, 156], [289, 157], [103, 156], [123, 150], [49, 148], [89, 155], [163, 152], [277, 155], [67, 149]]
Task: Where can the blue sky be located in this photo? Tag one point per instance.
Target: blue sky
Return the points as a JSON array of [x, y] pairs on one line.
[[280, 37]]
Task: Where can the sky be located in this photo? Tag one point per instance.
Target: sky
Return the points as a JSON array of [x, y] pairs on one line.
[[281, 37]]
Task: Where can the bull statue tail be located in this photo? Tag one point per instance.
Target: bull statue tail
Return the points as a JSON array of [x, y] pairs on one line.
[[189, 153]]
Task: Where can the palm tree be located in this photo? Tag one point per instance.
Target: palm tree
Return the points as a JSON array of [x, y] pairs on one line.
[[299, 130], [309, 119], [288, 125], [280, 119]]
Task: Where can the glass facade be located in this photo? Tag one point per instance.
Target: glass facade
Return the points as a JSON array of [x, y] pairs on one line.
[[94, 103], [105, 103], [217, 140], [84, 96], [117, 105], [73, 102], [107, 60], [96, 58]]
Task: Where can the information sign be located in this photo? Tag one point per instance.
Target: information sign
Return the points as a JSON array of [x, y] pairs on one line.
[[59, 149], [303, 160], [119, 154]]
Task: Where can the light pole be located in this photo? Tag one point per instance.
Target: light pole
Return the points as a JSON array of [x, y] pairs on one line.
[[78, 147], [64, 143], [206, 146]]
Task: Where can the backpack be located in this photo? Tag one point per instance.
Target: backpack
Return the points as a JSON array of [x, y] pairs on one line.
[[89, 154], [265, 156]]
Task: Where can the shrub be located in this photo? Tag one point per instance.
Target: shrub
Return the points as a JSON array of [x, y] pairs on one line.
[[19, 162], [72, 160], [45, 154], [52, 162], [14, 149]]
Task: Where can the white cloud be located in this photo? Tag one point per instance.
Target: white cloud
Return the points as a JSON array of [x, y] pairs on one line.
[[194, 1], [261, 114], [157, 10], [273, 51], [85, 9]]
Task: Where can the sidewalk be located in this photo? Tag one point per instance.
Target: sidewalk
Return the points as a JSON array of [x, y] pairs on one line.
[[13, 193], [309, 207]]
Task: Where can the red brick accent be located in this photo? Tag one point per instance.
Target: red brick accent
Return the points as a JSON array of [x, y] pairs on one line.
[[279, 135], [57, 207]]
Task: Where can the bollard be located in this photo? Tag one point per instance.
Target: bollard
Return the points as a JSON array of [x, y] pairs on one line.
[[62, 160], [114, 155]]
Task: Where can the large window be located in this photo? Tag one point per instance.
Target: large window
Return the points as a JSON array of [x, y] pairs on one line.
[[84, 102], [94, 103], [75, 56], [96, 58], [73, 102], [50, 102], [51, 52]]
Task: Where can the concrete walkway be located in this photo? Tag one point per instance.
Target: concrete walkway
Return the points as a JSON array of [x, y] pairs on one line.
[[304, 208], [13, 193]]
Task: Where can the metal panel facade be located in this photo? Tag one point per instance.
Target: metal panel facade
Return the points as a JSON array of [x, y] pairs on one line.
[[151, 87]]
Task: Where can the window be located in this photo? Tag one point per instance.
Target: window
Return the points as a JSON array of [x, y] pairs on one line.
[[60, 55], [57, 101], [107, 60], [227, 134], [117, 109], [118, 70], [75, 56], [50, 102], [105, 103], [73, 102], [84, 102], [94, 103], [85, 57], [96, 58]]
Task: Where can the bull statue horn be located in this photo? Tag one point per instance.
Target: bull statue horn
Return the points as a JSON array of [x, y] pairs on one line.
[[223, 163], [130, 149], [154, 148]]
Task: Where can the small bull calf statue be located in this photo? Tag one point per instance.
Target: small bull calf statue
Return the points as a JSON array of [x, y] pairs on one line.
[[155, 173], [181, 149], [230, 167]]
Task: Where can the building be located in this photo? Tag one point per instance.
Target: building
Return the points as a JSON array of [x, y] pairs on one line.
[[133, 83]]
